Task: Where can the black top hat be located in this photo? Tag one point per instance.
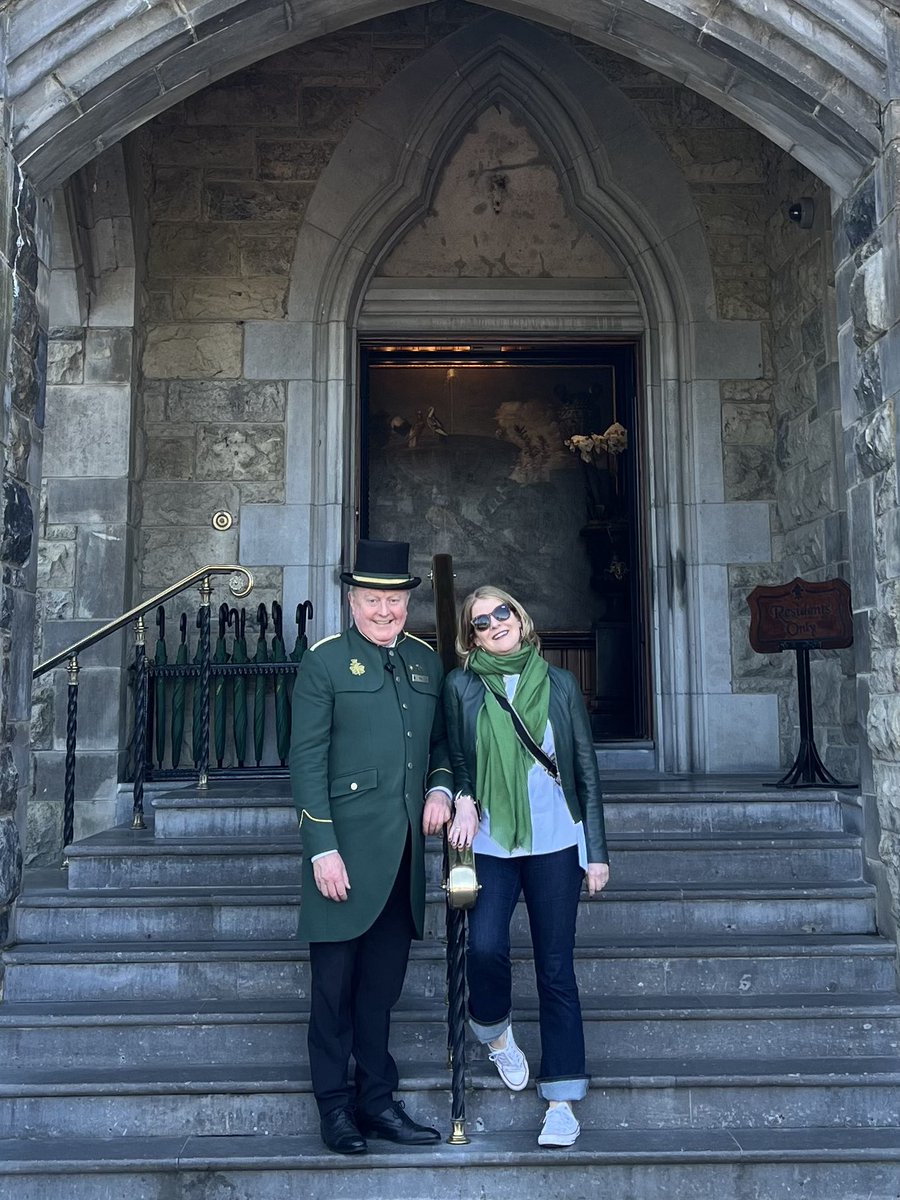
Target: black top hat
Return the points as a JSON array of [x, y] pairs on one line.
[[382, 565]]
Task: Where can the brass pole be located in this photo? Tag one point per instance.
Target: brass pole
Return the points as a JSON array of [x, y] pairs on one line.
[[445, 624]]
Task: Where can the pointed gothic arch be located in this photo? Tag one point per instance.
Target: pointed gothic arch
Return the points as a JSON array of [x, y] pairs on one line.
[[812, 78], [379, 183]]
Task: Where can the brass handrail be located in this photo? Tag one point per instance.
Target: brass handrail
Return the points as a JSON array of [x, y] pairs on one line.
[[136, 614], [139, 610]]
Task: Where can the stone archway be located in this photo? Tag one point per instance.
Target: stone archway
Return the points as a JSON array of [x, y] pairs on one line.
[[811, 78], [379, 183]]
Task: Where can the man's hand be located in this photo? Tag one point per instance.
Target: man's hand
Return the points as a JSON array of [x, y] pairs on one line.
[[597, 877], [331, 876], [436, 813]]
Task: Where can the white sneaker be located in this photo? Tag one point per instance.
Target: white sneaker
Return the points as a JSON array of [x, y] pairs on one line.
[[511, 1063], [560, 1127]]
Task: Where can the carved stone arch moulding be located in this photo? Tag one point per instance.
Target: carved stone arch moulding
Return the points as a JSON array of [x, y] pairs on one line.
[[811, 77], [621, 183]]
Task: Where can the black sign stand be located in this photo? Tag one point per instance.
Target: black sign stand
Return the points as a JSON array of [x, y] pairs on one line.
[[808, 770]]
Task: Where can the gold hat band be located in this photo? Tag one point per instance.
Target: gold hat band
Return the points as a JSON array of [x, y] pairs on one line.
[[380, 578]]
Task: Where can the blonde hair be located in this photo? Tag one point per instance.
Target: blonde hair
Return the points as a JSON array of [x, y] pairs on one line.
[[465, 634]]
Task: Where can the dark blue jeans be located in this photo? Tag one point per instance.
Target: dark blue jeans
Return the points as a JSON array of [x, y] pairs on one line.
[[551, 885]]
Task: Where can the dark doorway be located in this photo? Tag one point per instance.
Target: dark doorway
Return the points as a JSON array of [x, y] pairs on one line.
[[523, 463]]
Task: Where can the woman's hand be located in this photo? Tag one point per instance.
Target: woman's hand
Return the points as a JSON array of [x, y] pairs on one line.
[[465, 822], [597, 877]]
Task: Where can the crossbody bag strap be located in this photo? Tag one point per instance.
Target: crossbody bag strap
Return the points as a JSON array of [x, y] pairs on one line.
[[536, 751]]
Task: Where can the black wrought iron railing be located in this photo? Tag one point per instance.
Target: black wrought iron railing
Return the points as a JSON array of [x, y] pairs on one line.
[[251, 684], [445, 626], [240, 585]]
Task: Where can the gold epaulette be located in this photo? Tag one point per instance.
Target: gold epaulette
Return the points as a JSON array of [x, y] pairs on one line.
[[321, 642]]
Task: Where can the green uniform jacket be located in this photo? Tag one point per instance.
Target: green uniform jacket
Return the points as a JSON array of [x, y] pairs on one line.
[[366, 745]]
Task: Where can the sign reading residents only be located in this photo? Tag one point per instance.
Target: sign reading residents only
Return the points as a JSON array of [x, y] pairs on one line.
[[801, 614]]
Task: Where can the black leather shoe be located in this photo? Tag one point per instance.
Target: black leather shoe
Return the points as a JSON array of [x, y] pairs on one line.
[[340, 1133], [395, 1126]]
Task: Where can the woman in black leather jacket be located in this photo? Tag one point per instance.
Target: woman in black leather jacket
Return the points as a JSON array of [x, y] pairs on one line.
[[534, 818]]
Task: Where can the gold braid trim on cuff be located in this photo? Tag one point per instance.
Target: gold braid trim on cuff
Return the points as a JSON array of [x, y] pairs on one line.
[[318, 820]]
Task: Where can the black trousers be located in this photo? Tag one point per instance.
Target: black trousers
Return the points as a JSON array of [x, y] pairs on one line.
[[354, 986]]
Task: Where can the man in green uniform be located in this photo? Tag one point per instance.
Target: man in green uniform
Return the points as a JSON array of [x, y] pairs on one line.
[[370, 776]]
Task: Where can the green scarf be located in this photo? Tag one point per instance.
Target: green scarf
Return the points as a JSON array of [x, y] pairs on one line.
[[503, 762]]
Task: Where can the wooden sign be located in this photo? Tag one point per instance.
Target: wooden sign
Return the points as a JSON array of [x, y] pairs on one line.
[[801, 615]]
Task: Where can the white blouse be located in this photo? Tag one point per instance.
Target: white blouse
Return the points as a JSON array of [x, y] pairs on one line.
[[552, 827]]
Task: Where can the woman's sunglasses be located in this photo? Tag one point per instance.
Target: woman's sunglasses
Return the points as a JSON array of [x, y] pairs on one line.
[[501, 613]]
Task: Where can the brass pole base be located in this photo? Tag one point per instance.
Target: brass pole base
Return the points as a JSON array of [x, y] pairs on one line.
[[458, 1136], [203, 780], [137, 821]]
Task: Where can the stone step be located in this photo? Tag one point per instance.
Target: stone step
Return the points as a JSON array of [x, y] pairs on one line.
[[125, 858], [625, 1093], [221, 970], [260, 811], [270, 913], [108, 1034], [828, 1164]]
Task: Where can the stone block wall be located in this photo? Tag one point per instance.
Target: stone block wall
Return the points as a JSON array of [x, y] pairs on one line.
[[24, 276], [228, 174]]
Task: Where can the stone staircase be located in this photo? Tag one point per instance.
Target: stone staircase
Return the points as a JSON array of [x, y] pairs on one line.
[[741, 1013]]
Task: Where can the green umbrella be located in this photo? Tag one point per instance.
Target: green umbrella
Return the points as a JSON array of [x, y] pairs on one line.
[[178, 695], [259, 695], [304, 610], [220, 656], [197, 735], [239, 692], [160, 658], [282, 699]]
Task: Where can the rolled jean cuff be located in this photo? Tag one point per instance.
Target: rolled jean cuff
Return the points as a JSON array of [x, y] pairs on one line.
[[573, 1088], [487, 1033]]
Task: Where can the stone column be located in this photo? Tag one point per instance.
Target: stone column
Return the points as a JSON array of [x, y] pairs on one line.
[[867, 257], [86, 546], [23, 354]]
